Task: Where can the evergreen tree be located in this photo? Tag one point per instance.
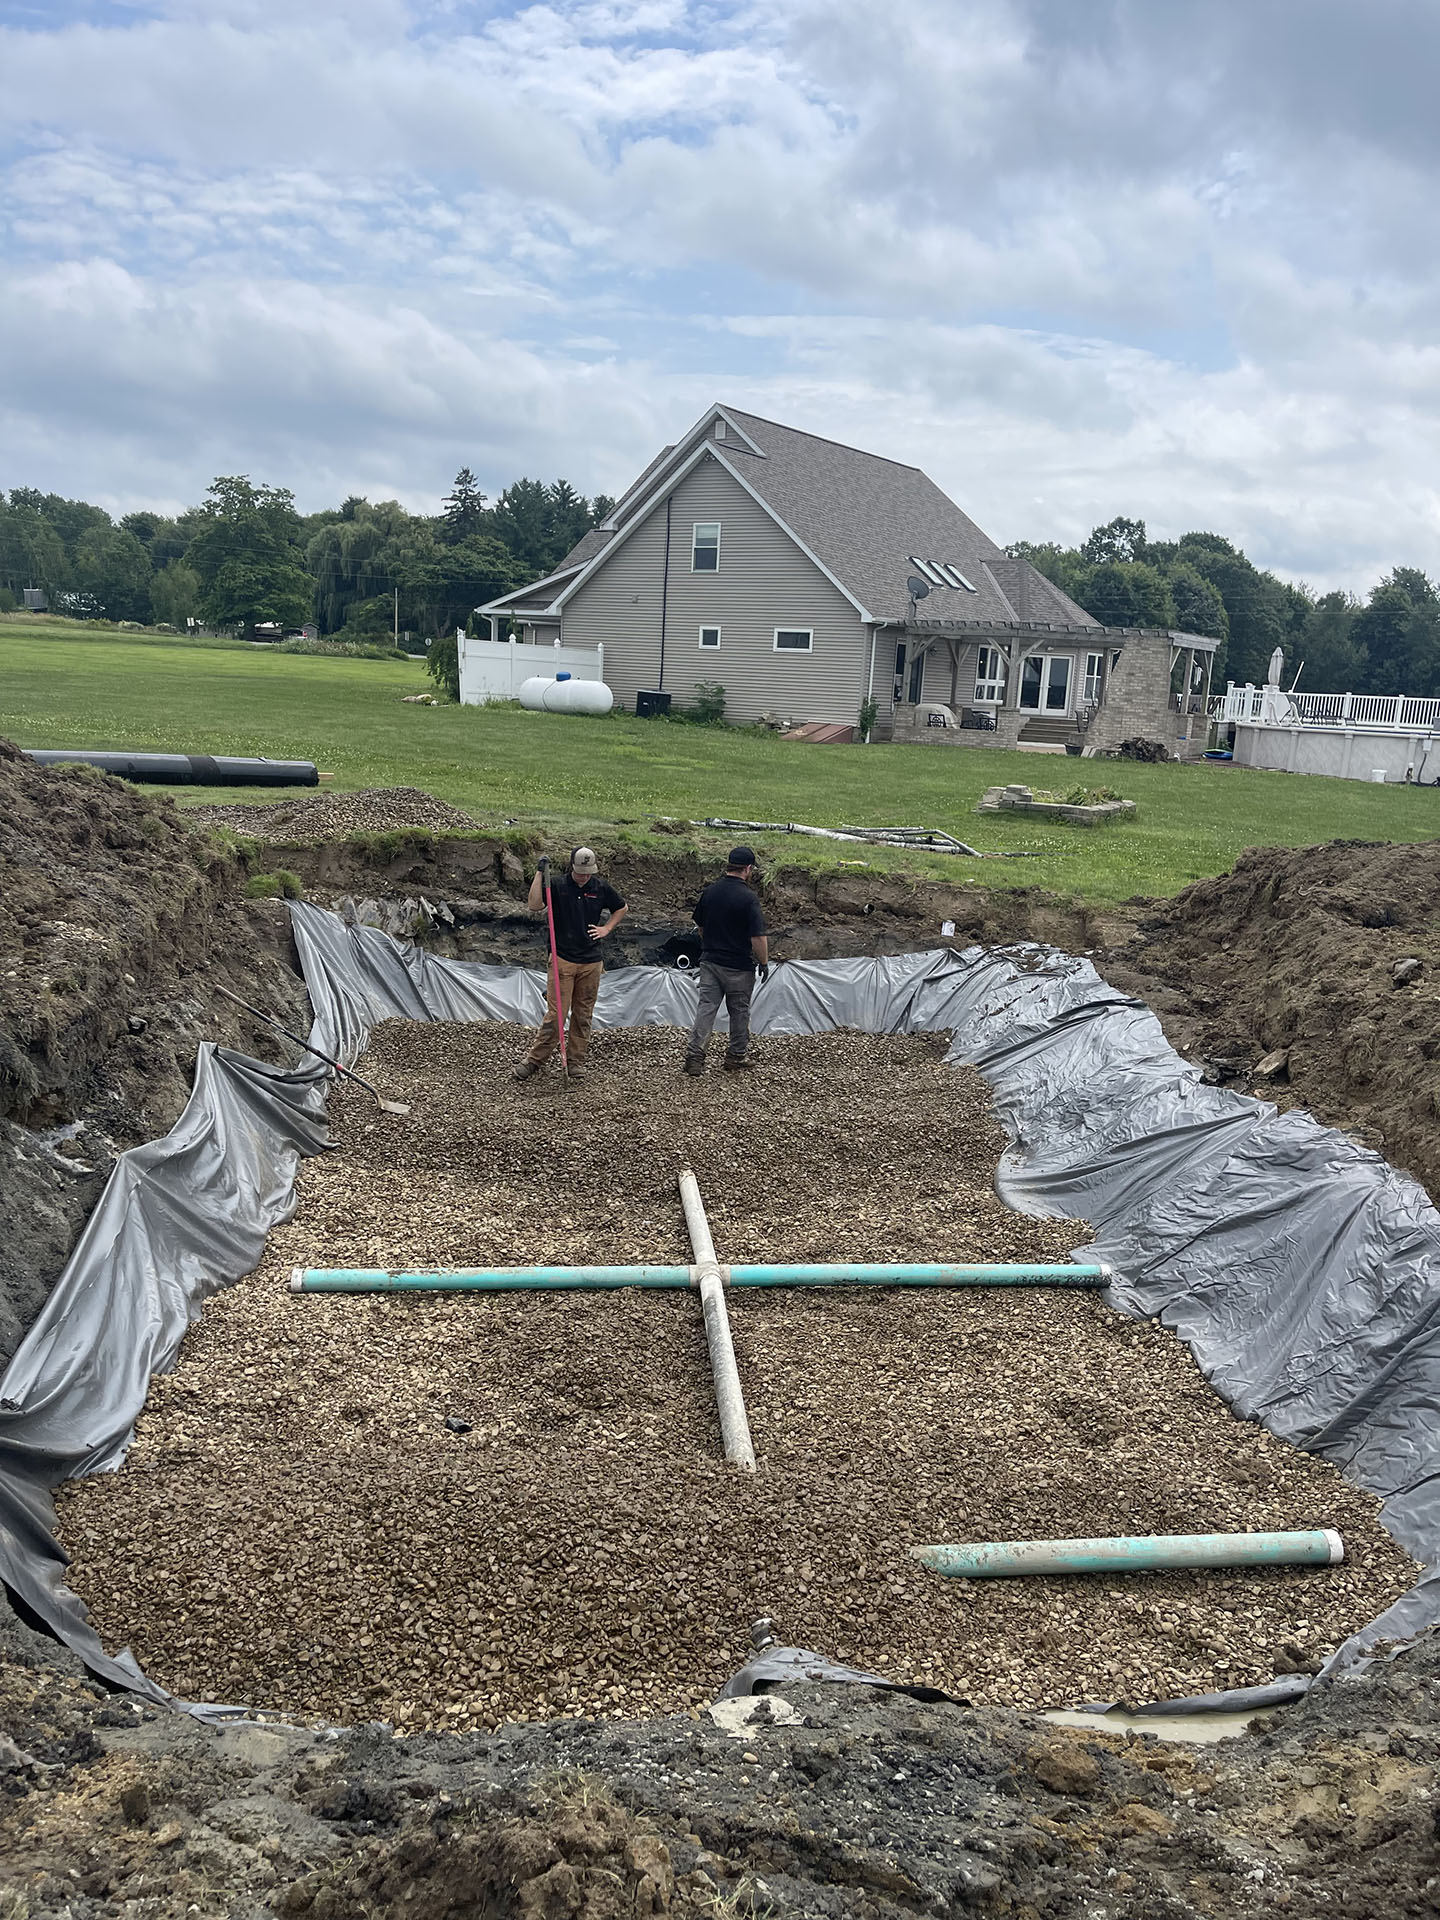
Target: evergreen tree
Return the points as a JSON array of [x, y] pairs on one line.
[[464, 513]]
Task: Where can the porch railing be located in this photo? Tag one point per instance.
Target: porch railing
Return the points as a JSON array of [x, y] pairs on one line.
[[1273, 707]]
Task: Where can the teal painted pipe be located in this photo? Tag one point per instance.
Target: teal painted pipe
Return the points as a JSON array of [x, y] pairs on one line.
[[1145, 1554], [483, 1279], [936, 1274], [837, 1274]]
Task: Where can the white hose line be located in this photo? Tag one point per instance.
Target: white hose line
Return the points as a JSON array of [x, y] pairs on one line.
[[729, 1400]]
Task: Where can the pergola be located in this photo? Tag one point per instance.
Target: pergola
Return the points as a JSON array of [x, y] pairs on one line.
[[1018, 639]]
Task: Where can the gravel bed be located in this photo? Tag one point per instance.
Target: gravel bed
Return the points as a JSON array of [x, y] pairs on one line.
[[330, 816], [298, 1528]]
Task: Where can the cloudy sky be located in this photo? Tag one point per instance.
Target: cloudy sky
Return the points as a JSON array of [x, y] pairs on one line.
[[1172, 258]]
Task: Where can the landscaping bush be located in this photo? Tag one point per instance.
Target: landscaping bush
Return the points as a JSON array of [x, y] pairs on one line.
[[442, 663]]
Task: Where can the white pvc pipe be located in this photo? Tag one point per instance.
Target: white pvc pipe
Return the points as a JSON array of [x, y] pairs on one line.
[[729, 1400]]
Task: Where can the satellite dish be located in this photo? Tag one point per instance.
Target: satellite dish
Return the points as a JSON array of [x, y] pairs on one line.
[[916, 587]]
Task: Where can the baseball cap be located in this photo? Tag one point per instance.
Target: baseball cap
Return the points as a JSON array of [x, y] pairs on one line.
[[583, 860], [741, 857]]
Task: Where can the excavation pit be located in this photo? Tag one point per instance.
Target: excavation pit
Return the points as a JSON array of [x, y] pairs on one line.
[[299, 1528]]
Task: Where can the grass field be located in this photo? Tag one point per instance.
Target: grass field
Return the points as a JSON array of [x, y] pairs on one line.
[[62, 685]]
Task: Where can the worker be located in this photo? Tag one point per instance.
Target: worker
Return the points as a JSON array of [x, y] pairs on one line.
[[733, 947], [587, 910]]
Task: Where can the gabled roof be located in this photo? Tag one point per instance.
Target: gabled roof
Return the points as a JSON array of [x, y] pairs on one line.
[[866, 520], [865, 516]]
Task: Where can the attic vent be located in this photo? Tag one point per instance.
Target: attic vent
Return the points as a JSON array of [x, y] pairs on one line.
[[719, 429], [940, 573]]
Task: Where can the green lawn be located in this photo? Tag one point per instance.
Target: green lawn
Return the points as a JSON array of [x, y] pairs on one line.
[[62, 685]]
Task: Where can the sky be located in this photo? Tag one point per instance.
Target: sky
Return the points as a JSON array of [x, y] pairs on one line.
[[1175, 259]]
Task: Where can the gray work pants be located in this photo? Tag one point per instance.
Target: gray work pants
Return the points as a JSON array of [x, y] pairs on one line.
[[733, 985]]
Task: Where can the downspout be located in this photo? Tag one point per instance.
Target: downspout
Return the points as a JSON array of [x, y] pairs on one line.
[[664, 595]]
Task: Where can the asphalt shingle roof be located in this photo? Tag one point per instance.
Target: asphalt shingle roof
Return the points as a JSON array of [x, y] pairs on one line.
[[864, 516]]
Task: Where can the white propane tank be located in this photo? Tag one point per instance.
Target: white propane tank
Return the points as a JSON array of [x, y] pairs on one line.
[[559, 693]]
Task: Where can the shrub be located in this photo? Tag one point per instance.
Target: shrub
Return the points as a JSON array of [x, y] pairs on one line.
[[868, 712], [280, 885], [442, 663], [707, 709]]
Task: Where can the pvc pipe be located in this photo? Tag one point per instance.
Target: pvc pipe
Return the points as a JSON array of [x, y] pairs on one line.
[[836, 1274], [484, 1279], [844, 1273], [1148, 1553], [729, 1400]]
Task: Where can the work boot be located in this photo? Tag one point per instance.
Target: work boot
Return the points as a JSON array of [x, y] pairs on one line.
[[738, 1063], [695, 1063], [526, 1070], [577, 1073]]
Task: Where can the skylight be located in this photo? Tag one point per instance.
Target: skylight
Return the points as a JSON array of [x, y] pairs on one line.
[[940, 573]]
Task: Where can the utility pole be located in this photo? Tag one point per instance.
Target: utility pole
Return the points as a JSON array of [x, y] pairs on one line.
[[397, 619]]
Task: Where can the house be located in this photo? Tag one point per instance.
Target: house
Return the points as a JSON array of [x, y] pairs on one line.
[[809, 578]]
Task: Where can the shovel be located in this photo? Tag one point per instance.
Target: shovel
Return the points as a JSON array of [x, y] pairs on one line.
[[385, 1106]]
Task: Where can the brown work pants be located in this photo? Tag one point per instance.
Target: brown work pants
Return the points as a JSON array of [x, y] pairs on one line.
[[579, 984]]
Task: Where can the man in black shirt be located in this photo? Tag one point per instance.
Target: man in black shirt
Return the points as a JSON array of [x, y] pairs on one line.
[[587, 910], [733, 945]]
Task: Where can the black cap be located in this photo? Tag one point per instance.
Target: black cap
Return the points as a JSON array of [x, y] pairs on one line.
[[741, 857]]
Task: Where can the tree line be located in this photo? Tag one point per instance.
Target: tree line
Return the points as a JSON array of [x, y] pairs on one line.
[[1389, 642], [245, 557]]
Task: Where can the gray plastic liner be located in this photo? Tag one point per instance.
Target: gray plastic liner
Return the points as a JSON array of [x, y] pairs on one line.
[[1302, 1270]]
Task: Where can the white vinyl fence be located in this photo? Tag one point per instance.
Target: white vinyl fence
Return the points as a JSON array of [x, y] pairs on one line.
[[496, 669]]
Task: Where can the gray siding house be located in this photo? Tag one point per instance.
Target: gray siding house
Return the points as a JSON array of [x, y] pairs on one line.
[[808, 577]]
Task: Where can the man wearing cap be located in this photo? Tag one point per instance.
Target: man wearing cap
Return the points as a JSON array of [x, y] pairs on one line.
[[587, 910], [733, 945]]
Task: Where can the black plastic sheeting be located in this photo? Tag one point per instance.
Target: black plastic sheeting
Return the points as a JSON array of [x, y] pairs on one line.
[[1303, 1271]]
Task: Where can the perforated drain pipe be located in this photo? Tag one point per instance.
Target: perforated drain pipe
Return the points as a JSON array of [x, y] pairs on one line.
[[729, 1401], [1154, 1552], [839, 1273]]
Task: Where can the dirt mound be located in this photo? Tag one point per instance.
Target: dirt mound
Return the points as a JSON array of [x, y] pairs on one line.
[[1328, 956], [331, 816], [830, 1803], [114, 919], [414, 1481]]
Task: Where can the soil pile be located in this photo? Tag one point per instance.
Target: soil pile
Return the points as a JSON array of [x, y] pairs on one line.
[[331, 816], [1328, 956], [114, 917], [825, 1803], [447, 1511]]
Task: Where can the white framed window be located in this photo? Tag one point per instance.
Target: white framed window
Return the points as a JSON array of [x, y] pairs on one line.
[[705, 547], [794, 639], [989, 677], [709, 639], [1094, 674], [719, 429]]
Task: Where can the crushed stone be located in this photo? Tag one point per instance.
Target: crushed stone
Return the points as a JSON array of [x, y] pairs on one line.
[[330, 816], [299, 1528]]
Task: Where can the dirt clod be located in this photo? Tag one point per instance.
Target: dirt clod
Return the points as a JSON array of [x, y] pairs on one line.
[[1064, 1766]]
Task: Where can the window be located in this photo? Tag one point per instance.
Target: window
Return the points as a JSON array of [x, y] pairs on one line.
[[719, 429], [1094, 674], [989, 677], [705, 547], [793, 639], [709, 636]]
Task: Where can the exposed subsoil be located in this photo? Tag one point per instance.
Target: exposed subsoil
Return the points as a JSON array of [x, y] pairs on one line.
[[831, 1801], [115, 920], [1304, 952], [300, 1528]]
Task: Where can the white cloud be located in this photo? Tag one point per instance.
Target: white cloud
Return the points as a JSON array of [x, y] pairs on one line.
[[1074, 256]]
